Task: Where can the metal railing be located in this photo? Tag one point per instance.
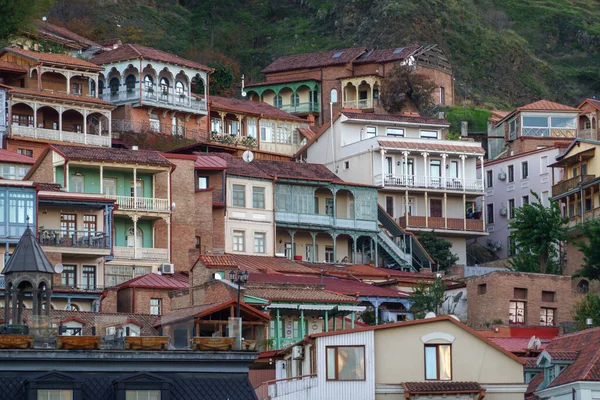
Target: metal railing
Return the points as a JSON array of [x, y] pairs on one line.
[[429, 182], [324, 220], [141, 203], [124, 125], [155, 96], [549, 132], [60, 136], [282, 387], [141, 253], [364, 103], [570, 184], [70, 238]]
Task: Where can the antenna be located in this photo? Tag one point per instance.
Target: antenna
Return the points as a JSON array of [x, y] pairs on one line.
[[244, 94]]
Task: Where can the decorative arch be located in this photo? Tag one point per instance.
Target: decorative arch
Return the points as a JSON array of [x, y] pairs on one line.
[[442, 336]]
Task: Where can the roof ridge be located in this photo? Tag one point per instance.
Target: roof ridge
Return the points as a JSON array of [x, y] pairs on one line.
[[132, 46]]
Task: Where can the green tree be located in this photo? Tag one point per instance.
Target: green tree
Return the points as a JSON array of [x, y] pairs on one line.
[[19, 14], [438, 249], [587, 307], [536, 232], [404, 85], [590, 247], [427, 296]]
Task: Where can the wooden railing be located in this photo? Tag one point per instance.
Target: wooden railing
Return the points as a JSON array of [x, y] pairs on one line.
[[141, 253], [570, 184], [141, 203], [60, 136], [458, 224]]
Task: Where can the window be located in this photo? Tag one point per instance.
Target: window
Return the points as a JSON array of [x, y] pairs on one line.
[[329, 206], [179, 88], [329, 256], [548, 296], [259, 243], [142, 395], [233, 127], [69, 276], [148, 82], [54, 394], [202, 182], [482, 288], [251, 128], [116, 274], [520, 293], [88, 277], [109, 186], [346, 164], [547, 317], [524, 170], [334, 96], [258, 197], [155, 307], [511, 208], [277, 102], [490, 213], [583, 169], [89, 224], [575, 172], [239, 196], [371, 131], [583, 286], [563, 122], [345, 363], [198, 242], [489, 178], [215, 124], [442, 96], [429, 134], [164, 86], [510, 243], [68, 223], [76, 184], [389, 205], [516, 312], [25, 152], [76, 88], [438, 362], [394, 132], [543, 165], [138, 187], [525, 200], [238, 241], [511, 173], [22, 120], [266, 131]]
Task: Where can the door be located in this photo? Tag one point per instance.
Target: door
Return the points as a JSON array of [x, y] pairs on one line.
[[389, 205], [109, 187], [134, 241], [389, 164], [435, 172], [435, 208]]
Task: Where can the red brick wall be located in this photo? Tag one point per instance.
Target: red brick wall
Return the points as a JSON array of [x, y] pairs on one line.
[[143, 297], [124, 297], [15, 144], [109, 301], [494, 304], [45, 171]]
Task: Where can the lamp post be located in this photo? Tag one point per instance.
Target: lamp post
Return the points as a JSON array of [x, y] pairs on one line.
[[238, 277]]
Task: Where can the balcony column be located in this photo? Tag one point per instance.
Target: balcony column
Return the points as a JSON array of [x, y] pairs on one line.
[[109, 125], [334, 191], [102, 179], [465, 212], [277, 333], [85, 114], [334, 237], [223, 128], [68, 82], [302, 333], [376, 252], [462, 158], [34, 299], [14, 295], [406, 210], [134, 187], [168, 222], [481, 162], [240, 131], [313, 255], [354, 248], [326, 321], [405, 168], [383, 171], [67, 177], [426, 211], [426, 169], [292, 252], [482, 212], [134, 218], [60, 121], [35, 108], [445, 210], [96, 89], [444, 184], [371, 100]]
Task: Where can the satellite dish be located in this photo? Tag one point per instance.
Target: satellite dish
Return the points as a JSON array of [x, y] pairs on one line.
[[248, 156], [244, 94], [430, 315], [58, 268]]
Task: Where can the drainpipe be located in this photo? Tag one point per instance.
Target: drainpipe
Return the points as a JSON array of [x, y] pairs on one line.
[[140, 79]]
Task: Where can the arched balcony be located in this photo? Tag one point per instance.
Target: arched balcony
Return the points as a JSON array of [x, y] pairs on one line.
[[299, 98], [362, 92]]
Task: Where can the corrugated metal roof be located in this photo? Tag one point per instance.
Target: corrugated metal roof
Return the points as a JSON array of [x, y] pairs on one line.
[[207, 161], [156, 281]]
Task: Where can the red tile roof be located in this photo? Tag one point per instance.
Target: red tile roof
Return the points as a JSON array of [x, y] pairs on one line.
[[12, 67], [10, 157], [57, 96], [155, 281], [201, 310], [530, 362], [270, 264], [593, 102], [136, 51], [55, 58], [81, 153], [294, 293], [257, 108], [432, 145], [46, 27], [396, 118], [217, 261], [367, 270], [442, 387], [307, 133], [563, 355], [387, 55], [546, 105], [314, 60], [209, 162], [516, 345], [237, 166]]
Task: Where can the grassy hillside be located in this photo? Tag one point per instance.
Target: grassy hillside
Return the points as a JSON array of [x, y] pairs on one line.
[[505, 52]]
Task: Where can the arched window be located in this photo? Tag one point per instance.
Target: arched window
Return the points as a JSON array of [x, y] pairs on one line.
[[100, 87], [179, 88], [114, 85], [164, 85], [198, 85], [583, 286], [131, 240], [130, 82], [334, 95], [148, 81], [277, 101]]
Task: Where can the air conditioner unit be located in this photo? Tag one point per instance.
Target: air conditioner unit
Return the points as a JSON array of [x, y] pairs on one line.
[[502, 176], [167, 268], [503, 211], [298, 353]]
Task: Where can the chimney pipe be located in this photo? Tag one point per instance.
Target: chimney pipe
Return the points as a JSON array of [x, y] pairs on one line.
[[589, 322]]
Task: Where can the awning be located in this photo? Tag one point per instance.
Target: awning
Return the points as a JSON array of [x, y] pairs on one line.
[[352, 308], [316, 307], [284, 305]]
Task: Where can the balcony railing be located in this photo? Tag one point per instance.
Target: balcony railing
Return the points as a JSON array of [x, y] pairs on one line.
[[141, 203], [455, 224], [288, 386], [78, 288], [570, 184], [304, 107], [429, 182], [549, 132], [60, 136], [324, 220], [69, 238], [125, 125], [141, 253], [156, 97], [365, 103]]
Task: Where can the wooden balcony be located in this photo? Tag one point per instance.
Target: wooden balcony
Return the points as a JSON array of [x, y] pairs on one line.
[[60, 136], [149, 204], [441, 223], [141, 253], [570, 184]]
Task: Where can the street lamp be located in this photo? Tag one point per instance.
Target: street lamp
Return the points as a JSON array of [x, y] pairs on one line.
[[238, 277]]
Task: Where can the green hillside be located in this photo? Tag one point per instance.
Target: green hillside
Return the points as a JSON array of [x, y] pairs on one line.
[[504, 52]]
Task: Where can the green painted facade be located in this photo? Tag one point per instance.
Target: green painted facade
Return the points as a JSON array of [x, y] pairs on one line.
[[122, 225], [92, 184]]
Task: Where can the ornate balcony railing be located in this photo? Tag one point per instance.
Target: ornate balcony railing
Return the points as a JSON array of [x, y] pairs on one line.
[[124, 125], [71, 238], [141, 253], [157, 97], [60, 136], [304, 107], [324, 220], [141, 203], [429, 182], [570, 184], [549, 132], [365, 103]]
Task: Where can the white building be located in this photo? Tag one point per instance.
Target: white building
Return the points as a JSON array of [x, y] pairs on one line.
[[426, 183]]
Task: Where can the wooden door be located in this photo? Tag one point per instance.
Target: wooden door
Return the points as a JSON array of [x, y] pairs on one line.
[[435, 208]]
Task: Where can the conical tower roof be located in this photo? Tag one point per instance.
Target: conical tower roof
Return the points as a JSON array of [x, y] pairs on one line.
[[28, 257]]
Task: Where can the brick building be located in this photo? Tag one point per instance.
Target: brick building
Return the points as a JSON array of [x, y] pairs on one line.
[[517, 298], [305, 84]]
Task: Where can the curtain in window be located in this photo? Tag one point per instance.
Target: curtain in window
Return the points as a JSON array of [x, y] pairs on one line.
[[445, 363]]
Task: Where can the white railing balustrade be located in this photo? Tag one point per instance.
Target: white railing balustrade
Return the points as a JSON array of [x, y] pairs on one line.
[[283, 387], [429, 182], [154, 96], [141, 253], [141, 203], [60, 136]]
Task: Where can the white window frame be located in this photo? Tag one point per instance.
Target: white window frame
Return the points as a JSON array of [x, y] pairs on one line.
[[393, 131], [258, 246], [426, 134], [370, 131], [238, 241], [543, 165]]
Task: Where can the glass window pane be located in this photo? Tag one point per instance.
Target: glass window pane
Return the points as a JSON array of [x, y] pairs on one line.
[[536, 121], [561, 122], [351, 363], [331, 362], [431, 362], [445, 362]]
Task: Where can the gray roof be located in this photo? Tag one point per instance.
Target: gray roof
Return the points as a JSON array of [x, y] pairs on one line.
[[28, 257]]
